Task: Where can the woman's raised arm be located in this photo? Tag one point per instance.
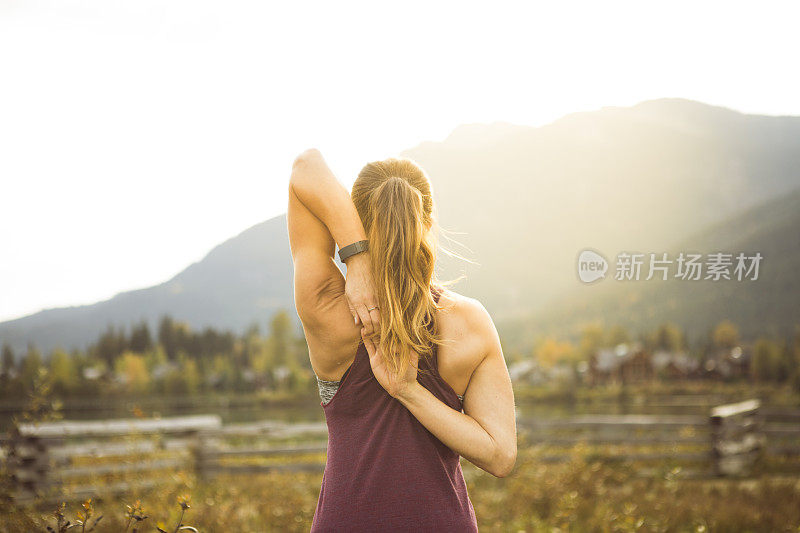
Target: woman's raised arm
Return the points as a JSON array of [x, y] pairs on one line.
[[321, 212]]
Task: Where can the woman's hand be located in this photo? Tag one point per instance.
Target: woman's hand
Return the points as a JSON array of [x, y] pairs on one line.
[[395, 385], [360, 293]]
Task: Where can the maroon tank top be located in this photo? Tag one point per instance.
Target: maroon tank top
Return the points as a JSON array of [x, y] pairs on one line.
[[385, 471]]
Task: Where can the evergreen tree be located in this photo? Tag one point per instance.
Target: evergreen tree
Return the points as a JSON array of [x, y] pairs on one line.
[[668, 337], [31, 365], [110, 345], [7, 361], [141, 340], [165, 337]]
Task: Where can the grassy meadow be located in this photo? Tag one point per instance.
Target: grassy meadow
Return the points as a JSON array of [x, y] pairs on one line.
[[583, 493], [574, 496]]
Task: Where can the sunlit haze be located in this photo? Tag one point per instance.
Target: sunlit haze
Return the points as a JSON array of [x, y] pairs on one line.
[[137, 135]]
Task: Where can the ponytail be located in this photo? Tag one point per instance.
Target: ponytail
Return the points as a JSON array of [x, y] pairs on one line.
[[393, 198]]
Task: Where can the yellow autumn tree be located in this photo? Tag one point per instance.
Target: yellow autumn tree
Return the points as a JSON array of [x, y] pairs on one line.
[[592, 339], [726, 334], [63, 371], [132, 370], [550, 351]]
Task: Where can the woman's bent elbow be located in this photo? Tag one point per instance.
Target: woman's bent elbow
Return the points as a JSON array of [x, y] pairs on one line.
[[504, 464], [306, 157]]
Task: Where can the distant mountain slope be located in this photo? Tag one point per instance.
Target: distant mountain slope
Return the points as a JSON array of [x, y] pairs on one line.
[[640, 177], [766, 306], [523, 201], [245, 279]]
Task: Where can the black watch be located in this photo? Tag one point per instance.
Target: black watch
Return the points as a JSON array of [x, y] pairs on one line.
[[353, 249]]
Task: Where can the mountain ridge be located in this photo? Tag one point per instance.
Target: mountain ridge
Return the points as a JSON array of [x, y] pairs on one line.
[[524, 199]]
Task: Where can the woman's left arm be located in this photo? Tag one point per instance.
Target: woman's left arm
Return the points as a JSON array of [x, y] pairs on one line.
[[486, 432], [321, 212]]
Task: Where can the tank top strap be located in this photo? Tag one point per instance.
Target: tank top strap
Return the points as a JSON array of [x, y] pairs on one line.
[[432, 364], [437, 293]]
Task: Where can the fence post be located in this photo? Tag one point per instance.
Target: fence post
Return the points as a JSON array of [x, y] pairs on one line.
[[205, 457], [736, 438], [28, 463]]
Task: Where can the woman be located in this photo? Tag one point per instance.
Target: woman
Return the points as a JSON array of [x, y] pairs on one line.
[[411, 375]]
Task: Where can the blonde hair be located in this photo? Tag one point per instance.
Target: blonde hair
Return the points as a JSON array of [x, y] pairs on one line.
[[394, 199]]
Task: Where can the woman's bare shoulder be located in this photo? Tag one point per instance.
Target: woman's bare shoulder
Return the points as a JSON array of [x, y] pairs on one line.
[[465, 309], [466, 322]]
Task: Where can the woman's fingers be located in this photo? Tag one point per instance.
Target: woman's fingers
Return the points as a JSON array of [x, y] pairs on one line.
[[366, 319], [353, 312], [375, 315], [372, 350], [368, 344]]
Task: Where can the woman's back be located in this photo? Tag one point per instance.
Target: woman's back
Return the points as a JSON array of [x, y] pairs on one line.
[[402, 350], [385, 471]]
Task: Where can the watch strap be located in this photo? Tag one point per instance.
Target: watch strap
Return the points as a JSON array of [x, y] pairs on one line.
[[353, 249]]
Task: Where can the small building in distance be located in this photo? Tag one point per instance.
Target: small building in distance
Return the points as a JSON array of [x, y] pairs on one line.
[[526, 371], [727, 363], [625, 363], [530, 372], [675, 365]]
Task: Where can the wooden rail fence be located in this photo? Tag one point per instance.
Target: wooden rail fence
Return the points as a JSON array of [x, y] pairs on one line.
[[77, 459]]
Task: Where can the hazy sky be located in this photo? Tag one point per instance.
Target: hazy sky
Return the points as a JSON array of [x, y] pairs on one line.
[[136, 135]]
